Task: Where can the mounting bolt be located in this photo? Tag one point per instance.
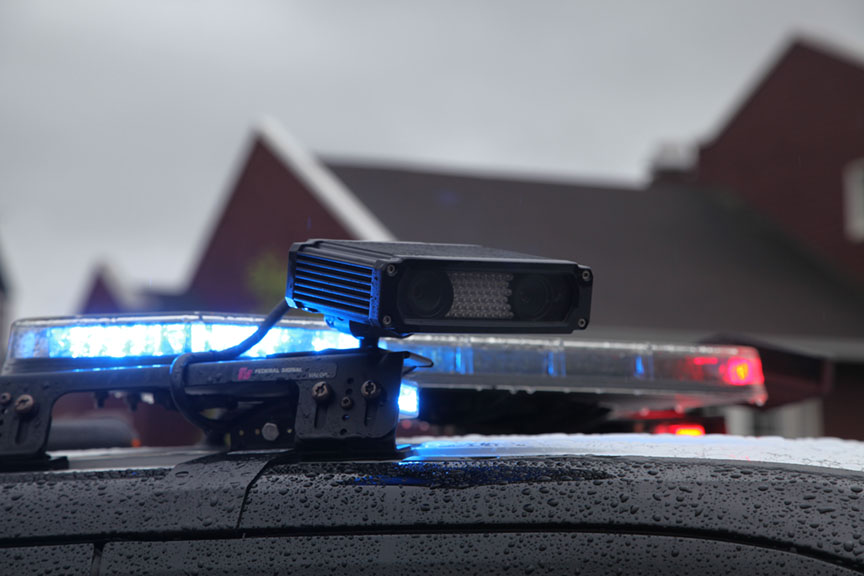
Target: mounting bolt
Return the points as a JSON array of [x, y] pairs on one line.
[[586, 275], [581, 323], [346, 403], [386, 320], [370, 389], [270, 432], [24, 404], [391, 269], [132, 400], [321, 391], [100, 398], [5, 398]]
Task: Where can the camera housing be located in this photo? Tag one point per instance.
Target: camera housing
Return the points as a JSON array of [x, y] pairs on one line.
[[395, 289]]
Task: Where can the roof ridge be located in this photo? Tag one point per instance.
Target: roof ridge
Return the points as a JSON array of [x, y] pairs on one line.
[[340, 201], [476, 173], [773, 63], [826, 47]]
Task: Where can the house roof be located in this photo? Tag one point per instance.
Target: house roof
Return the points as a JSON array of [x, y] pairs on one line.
[[110, 293], [282, 194], [785, 149], [317, 180], [670, 256], [104, 296], [799, 57]]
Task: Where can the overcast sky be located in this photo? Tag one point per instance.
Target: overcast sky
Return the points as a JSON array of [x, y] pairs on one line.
[[121, 123]]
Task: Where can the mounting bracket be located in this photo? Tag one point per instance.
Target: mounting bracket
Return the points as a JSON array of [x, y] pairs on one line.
[[330, 401]]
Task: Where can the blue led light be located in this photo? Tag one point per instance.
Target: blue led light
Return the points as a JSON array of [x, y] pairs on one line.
[[280, 339], [139, 338], [640, 367], [409, 401], [111, 341]]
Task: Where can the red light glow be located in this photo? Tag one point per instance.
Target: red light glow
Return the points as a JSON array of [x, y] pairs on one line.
[[680, 429], [741, 371]]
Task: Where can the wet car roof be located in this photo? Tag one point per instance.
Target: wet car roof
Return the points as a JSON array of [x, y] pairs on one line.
[[821, 452], [793, 502]]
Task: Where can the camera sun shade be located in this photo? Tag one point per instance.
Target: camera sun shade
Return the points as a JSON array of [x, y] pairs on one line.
[[399, 288]]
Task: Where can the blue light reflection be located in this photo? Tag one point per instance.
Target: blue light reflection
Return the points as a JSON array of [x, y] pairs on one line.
[[409, 400]]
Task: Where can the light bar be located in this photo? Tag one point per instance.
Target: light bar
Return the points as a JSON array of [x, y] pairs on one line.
[[570, 358], [627, 377], [158, 336]]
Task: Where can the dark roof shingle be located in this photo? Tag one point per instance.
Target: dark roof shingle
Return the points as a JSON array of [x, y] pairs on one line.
[[670, 257]]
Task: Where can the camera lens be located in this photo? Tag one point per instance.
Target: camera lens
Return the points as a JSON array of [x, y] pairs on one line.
[[428, 294], [531, 298], [544, 297]]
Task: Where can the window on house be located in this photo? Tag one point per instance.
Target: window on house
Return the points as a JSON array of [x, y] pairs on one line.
[[853, 205]]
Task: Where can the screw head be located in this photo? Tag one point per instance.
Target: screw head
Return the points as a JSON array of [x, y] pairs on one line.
[[370, 389], [386, 320], [581, 323], [5, 398], [270, 432], [24, 404], [346, 402], [391, 269], [321, 391], [586, 275]]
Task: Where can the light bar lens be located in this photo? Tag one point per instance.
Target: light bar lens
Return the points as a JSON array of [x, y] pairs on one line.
[[632, 376], [558, 357], [153, 337]]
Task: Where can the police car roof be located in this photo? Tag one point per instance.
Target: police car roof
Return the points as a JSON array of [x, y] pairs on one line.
[[819, 452]]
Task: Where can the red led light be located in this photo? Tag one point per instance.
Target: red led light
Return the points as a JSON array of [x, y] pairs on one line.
[[740, 371], [743, 370], [680, 429]]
